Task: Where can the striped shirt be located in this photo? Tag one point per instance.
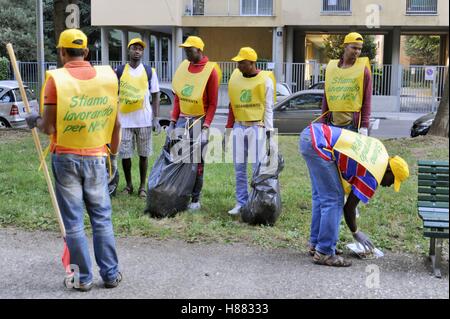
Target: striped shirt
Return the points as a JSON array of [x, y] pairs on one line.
[[324, 138]]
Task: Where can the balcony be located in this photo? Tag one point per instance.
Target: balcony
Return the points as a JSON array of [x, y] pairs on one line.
[[336, 7], [421, 7], [221, 8]]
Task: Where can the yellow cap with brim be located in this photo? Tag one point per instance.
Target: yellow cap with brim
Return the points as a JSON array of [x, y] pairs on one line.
[[136, 41], [72, 39], [246, 53], [353, 37], [193, 42], [400, 170]]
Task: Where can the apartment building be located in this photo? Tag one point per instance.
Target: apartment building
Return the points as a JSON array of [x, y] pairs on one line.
[[277, 29]]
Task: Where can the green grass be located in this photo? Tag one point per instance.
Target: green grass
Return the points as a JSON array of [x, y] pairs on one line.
[[390, 218]]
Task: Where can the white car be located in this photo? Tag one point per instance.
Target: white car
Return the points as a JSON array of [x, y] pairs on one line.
[[12, 109]]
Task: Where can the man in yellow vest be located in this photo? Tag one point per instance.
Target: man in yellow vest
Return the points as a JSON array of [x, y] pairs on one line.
[[343, 162], [137, 117], [80, 114], [348, 88], [252, 97], [196, 85]]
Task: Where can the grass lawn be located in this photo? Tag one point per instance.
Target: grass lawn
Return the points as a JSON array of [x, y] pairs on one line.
[[390, 218]]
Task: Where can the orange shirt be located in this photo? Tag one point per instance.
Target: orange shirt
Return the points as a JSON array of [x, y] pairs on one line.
[[81, 70]]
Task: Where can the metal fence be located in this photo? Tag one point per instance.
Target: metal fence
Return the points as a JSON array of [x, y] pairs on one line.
[[422, 88], [418, 92], [421, 7]]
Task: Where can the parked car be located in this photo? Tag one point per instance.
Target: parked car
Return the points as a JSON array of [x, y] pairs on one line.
[[318, 86], [296, 112], [12, 109], [167, 98], [283, 91], [422, 125]]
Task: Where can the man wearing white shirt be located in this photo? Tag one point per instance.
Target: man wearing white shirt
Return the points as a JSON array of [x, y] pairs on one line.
[[137, 116]]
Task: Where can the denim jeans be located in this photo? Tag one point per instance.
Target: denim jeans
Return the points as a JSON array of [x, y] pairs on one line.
[[82, 181], [186, 122], [243, 137], [327, 197]]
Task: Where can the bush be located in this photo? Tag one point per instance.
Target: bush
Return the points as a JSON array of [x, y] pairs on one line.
[[4, 68]]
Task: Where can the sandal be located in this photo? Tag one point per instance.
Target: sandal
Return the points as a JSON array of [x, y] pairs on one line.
[[312, 251], [127, 190], [142, 193], [330, 260]]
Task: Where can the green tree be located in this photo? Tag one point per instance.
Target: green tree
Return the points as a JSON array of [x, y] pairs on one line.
[[440, 123], [334, 48], [18, 26], [423, 49]]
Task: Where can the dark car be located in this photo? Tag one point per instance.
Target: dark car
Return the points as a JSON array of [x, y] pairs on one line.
[[318, 86], [422, 125], [297, 111]]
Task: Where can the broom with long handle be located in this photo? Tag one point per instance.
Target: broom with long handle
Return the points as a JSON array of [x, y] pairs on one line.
[[37, 143]]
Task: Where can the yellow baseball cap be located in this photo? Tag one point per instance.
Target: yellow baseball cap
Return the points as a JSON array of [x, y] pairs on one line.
[[400, 169], [353, 37], [246, 53], [136, 41], [72, 39], [193, 42]]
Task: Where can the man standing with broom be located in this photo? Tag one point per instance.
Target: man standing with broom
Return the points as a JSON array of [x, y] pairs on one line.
[[80, 114]]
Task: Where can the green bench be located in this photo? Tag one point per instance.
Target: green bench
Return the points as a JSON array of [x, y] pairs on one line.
[[432, 207]]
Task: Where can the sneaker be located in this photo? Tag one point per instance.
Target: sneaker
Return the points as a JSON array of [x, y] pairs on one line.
[[194, 206], [115, 283], [69, 284], [235, 211]]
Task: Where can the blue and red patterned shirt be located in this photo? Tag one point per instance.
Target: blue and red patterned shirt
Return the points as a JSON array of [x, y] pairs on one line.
[[324, 138]]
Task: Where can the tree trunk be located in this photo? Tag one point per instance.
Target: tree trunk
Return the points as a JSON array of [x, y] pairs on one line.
[[440, 123], [59, 18]]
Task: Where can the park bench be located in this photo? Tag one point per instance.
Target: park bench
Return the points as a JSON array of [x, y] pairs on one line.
[[432, 207]]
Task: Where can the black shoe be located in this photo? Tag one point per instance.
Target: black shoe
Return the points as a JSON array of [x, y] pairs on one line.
[[69, 284], [115, 283]]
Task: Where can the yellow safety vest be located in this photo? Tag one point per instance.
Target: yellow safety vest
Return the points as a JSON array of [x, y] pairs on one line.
[[132, 91], [86, 109], [248, 95], [344, 88], [367, 151], [189, 87]]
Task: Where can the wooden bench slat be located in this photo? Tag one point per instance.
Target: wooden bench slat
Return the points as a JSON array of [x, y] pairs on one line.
[[434, 210], [435, 224], [433, 198], [432, 177], [433, 183], [432, 204], [432, 163], [432, 216], [433, 191], [433, 170]]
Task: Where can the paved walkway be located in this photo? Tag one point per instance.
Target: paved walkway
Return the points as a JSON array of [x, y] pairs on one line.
[[31, 268]]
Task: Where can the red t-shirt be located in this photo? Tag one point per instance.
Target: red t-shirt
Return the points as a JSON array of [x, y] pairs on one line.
[[210, 95]]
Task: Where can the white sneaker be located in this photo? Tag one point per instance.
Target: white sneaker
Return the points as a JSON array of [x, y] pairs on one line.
[[194, 206], [235, 210]]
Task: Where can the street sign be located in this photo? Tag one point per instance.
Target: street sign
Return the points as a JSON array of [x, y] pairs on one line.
[[430, 73]]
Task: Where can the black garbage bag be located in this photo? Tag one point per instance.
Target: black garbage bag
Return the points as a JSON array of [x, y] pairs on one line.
[[264, 203], [170, 183]]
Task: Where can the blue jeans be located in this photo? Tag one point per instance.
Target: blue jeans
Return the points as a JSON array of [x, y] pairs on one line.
[[241, 136], [82, 181], [327, 197]]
